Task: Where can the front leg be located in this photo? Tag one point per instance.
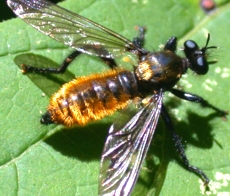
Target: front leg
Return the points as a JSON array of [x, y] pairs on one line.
[[197, 99]]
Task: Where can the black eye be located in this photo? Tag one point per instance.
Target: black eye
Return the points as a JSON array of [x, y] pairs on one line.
[[197, 56], [201, 65], [190, 47]]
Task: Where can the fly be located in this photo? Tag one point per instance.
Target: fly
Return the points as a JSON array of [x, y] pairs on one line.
[[90, 98]]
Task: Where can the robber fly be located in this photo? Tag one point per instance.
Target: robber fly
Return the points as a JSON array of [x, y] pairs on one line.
[[90, 98]]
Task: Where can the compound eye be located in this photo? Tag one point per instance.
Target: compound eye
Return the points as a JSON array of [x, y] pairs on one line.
[[200, 66], [196, 57], [190, 48], [190, 45]]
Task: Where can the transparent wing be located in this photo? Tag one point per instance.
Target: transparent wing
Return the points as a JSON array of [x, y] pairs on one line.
[[71, 29], [126, 148]]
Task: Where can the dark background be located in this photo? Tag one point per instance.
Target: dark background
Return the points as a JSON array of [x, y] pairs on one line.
[[6, 12]]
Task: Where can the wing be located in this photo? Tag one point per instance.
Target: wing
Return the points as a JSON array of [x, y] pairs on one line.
[[71, 29], [126, 148]]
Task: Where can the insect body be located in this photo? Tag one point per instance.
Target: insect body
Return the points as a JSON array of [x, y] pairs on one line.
[[90, 98]]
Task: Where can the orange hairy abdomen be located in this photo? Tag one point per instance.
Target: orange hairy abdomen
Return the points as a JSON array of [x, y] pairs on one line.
[[90, 98]]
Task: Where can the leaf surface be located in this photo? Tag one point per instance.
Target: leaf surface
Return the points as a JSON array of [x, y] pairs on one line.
[[40, 160]]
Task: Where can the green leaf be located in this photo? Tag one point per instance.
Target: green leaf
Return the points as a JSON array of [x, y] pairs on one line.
[[40, 160]]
